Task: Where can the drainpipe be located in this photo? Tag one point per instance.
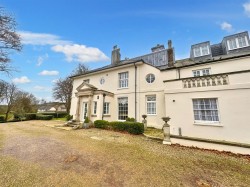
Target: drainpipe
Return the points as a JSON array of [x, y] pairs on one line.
[[103, 105], [179, 73], [135, 92]]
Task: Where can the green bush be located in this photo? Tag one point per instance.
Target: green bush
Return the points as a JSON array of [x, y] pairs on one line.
[[119, 125], [55, 114], [130, 127], [30, 116], [136, 128], [69, 117], [130, 119], [44, 117], [2, 118], [86, 120], [102, 124]]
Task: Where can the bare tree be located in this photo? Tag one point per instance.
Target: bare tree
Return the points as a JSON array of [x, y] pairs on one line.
[[3, 84], [10, 95], [80, 69], [62, 91], [9, 40], [25, 103]]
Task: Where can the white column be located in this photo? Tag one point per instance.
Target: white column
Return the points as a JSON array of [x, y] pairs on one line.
[[77, 115]]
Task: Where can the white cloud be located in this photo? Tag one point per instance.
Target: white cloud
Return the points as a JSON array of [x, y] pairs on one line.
[[40, 59], [226, 26], [46, 72], [21, 80], [54, 81], [39, 88], [246, 7], [41, 39], [80, 53]]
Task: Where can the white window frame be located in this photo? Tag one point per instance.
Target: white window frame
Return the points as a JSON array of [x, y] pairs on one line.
[[150, 78], [205, 112], [106, 108], [102, 80], [237, 43], [95, 107], [151, 105], [200, 72], [200, 51], [120, 111], [123, 79]]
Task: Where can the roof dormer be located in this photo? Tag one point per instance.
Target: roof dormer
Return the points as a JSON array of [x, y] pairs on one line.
[[236, 43], [200, 50]]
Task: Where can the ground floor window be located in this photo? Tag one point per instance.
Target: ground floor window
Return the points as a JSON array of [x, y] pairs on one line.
[[151, 104], [122, 108], [95, 107], [106, 108], [206, 110]]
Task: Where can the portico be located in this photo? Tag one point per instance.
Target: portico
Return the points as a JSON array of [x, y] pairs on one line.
[[86, 95]]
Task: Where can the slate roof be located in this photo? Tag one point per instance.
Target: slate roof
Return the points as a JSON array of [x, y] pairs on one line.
[[218, 52]]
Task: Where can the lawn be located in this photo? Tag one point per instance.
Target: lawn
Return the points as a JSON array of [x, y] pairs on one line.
[[32, 154]]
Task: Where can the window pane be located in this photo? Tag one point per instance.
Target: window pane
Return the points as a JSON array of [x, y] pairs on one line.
[[123, 80], [151, 104], [204, 50], [205, 110], [122, 108]]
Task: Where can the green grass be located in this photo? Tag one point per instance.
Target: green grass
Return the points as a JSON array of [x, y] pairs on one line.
[[117, 159], [158, 133], [60, 119]]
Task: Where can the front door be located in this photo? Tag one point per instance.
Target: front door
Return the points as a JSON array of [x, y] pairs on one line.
[[85, 110]]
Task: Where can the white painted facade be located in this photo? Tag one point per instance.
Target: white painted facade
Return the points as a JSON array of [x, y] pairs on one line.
[[174, 97]]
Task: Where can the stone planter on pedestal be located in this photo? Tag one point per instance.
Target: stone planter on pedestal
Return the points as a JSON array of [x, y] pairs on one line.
[[166, 131], [144, 121]]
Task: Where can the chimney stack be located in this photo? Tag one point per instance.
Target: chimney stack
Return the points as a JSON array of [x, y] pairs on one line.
[[170, 52], [116, 56]]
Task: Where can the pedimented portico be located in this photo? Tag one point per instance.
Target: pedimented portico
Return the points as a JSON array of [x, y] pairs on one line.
[[90, 102]]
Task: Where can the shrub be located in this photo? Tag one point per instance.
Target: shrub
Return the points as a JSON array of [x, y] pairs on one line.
[[130, 127], [30, 116], [55, 114], [86, 120], [69, 117], [136, 128], [119, 125], [130, 119], [102, 124], [2, 118], [44, 117]]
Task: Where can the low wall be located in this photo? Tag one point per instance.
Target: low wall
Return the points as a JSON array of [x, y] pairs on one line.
[[215, 146]]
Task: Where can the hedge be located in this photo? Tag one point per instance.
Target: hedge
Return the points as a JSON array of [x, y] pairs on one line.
[[2, 118], [130, 127], [44, 117], [102, 124], [30, 116], [55, 114]]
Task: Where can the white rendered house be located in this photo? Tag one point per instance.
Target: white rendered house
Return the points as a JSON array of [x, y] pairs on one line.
[[207, 96]]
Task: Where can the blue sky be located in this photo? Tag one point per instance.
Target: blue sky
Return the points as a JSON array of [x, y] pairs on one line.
[[59, 34]]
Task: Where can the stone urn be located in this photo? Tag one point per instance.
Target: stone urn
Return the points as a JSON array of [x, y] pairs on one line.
[[144, 121], [166, 131]]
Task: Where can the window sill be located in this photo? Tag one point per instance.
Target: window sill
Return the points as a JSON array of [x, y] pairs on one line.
[[93, 115], [215, 124], [122, 88], [106, 115], [237, 48], [151, 114]]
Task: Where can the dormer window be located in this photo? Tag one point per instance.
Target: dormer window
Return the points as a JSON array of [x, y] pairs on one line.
[[238, 42], [201, 50], [201, 72]]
